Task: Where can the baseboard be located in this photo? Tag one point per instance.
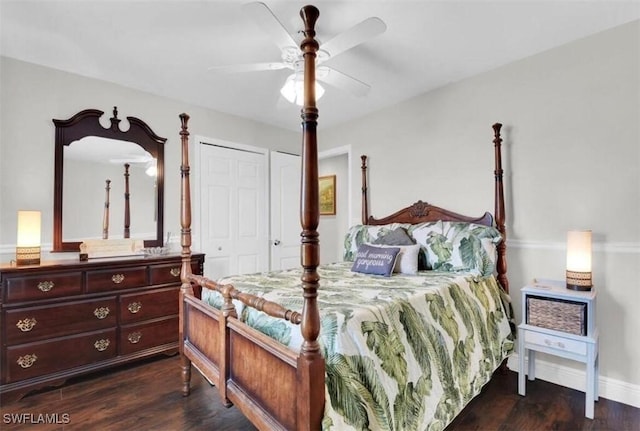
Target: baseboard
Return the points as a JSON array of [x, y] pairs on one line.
[[611, 389]]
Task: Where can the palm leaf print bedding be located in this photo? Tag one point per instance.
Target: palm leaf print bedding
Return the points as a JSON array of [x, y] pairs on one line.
[[402, 352]]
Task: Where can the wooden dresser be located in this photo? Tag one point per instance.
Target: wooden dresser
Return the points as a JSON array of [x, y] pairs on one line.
[[66, 318]]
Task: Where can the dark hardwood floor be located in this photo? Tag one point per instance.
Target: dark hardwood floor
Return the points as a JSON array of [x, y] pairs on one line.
[[146, 396]]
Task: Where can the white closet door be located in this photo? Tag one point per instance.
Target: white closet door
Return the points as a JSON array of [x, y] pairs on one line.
[[233, 211], [285, 210]]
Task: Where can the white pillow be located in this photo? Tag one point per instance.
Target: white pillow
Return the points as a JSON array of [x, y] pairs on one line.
[[407, 259]]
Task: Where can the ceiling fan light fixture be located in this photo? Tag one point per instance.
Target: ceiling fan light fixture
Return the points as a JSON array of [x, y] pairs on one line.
[[293, 90], [151, 168]]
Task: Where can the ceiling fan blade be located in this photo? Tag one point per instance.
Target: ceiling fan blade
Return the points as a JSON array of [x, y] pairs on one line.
[[343, 81], [132, 159], [263, 16], [251, 67], [356, 35]]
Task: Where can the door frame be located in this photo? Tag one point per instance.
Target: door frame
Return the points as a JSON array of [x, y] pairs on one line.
[[339, 151]]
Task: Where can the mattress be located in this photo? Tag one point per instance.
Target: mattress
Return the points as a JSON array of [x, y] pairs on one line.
[[405, 352]]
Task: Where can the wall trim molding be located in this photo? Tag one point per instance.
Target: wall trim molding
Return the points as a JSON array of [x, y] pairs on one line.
[[611, 389], [606, 247]]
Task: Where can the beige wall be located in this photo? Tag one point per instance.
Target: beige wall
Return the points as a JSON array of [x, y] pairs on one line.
[[571, 157], [31, 96]]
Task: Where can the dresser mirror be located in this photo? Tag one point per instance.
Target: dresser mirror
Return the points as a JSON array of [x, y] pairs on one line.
[[109, 183]]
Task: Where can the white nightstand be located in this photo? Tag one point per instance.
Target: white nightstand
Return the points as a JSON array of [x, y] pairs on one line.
[[559, 321]]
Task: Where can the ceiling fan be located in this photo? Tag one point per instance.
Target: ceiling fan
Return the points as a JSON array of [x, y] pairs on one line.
[[291, 56]]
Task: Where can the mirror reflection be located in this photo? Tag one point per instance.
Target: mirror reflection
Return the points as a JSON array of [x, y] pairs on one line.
[[97, 171]]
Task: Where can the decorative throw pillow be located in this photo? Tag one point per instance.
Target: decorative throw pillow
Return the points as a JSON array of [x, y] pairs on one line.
[[397, 236], [407, 260], [375, 260], [458, 246]]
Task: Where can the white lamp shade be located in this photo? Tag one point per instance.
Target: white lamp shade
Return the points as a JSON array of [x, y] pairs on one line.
[[579, 251], [28, 244], [293, 90], [579, 260], [29, 223]]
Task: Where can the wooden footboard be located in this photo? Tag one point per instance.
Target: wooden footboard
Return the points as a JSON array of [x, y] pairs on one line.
[[201, 341], [252, 371], [262, 378]]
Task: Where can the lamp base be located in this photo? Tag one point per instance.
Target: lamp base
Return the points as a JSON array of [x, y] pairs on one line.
[[27, 256], [579, 281]]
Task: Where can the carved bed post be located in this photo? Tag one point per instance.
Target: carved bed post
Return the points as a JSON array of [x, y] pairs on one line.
[[105, 217], [499, 210], [310, 362], [185, 242], [127, 219], [365, 200]]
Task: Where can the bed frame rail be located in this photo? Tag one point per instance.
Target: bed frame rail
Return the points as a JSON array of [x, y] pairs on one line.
[[229, 293]]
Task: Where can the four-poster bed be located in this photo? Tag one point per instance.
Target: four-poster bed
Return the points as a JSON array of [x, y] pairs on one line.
[[105, 215], [127, 206], [290, 379]]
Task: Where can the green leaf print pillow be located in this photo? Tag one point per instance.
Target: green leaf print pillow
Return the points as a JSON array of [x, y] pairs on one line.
[[458, 246]]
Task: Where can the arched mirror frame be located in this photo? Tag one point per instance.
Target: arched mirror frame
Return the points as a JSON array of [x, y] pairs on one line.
[[87, 123]]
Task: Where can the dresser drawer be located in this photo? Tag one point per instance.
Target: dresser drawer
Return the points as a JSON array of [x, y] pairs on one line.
[[557, 343], [137, 307], [163, 274], [142, 336], [116, 278], [35, 323], [38, 287], [35, 359]]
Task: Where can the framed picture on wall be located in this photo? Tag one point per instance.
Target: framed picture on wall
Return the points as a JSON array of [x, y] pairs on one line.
[[327, 195]]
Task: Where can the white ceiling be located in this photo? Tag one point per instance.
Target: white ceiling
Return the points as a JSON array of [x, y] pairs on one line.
[[166, 47]]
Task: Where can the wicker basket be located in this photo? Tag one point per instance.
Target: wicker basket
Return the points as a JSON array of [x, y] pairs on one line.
[[557, 314]]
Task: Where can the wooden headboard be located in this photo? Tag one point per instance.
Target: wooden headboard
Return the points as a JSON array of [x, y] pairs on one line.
[[420, 211]]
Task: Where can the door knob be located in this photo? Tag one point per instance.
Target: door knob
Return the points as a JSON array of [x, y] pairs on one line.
[[276, 242]]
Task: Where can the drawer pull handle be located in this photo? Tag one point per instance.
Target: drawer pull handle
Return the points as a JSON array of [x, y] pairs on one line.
[[101, 312], [117, 278], [101, 345], [134, 307], [559, 344], [26, 325], [175, 272], [134, 337], [46, 286], [27, 360]]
